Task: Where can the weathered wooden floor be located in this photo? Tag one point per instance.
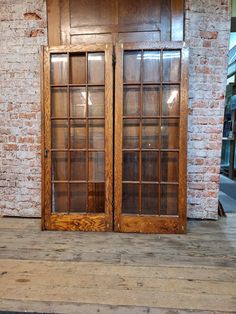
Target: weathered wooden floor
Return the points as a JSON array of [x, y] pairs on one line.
[[66, 272]]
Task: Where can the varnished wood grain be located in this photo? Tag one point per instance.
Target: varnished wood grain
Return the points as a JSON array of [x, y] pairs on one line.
[[54, 23]]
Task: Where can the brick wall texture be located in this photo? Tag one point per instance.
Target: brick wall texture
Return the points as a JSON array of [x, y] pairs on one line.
[[23, 31]]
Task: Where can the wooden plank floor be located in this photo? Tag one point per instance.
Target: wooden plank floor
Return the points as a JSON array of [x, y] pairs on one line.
[[66, 272]]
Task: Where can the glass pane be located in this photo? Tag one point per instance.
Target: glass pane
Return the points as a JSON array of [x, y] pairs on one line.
[[170, 102], [171, 66], [59, 72], [59, 166], [59, 197], [96, 134], [78, 68], [169, 200], [59, 134], [96, 68], [149, 199], [151, 66], [96, 166], [78, 166], [78, 134], [59, 102], [78, 102], [96, 100], [150, 133], [130, 166], [130, 198], [132, 65], [78, 197], [170, 133], [131, 101], [150, 166], [169, 167], [131, 134], [96, 197], [151, 100]]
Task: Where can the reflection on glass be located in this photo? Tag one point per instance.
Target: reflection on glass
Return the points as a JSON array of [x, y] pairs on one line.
[[78, 197], [131, 101], [170, 102], [96, 100], [132, 66], [150, 133], [171, 66], [59, 166], [96, 166], [169, 200], [59, 197], [59, 72], [150, 166], [96, 134], [169, 167], [170, 133], [131, 134], [149, 199], [78, 166], [59, 108], [130, 166], [151, 66], [96, 197], [96, 67], [78, 134], [78, 102], [59, 134], [77, 68], [151, 100], [130, 198]]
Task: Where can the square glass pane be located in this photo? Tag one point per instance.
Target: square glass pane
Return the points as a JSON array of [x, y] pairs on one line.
[[78, 197], [78, 68], [171, 66], [131, 101], [150, 167], [59, 134], [96, 166], [96, 197], [170, 133], [96, 68], [130, 166], [132, 66], [96, 102], [78, 102], [96, 134], [78, 134], [151, 100], [78, 166], [131, 134], [130, 198], [59, 107], [150, 199], [169, 167], [59, 166], [170, 101], [59, 197], [151, 67], [169, 200], [59, 69], [150, 133]]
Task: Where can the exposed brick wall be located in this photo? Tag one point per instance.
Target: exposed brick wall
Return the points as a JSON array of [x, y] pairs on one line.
[[22, 32], [207, 35]]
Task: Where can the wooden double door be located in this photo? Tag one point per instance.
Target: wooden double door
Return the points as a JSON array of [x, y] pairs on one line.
[[114, 134]]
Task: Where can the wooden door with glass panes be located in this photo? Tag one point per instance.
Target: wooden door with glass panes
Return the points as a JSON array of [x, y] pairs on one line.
[[150, 137], [78, 89]]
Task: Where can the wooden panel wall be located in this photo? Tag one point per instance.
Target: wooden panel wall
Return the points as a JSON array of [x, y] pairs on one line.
[[100, 21]]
